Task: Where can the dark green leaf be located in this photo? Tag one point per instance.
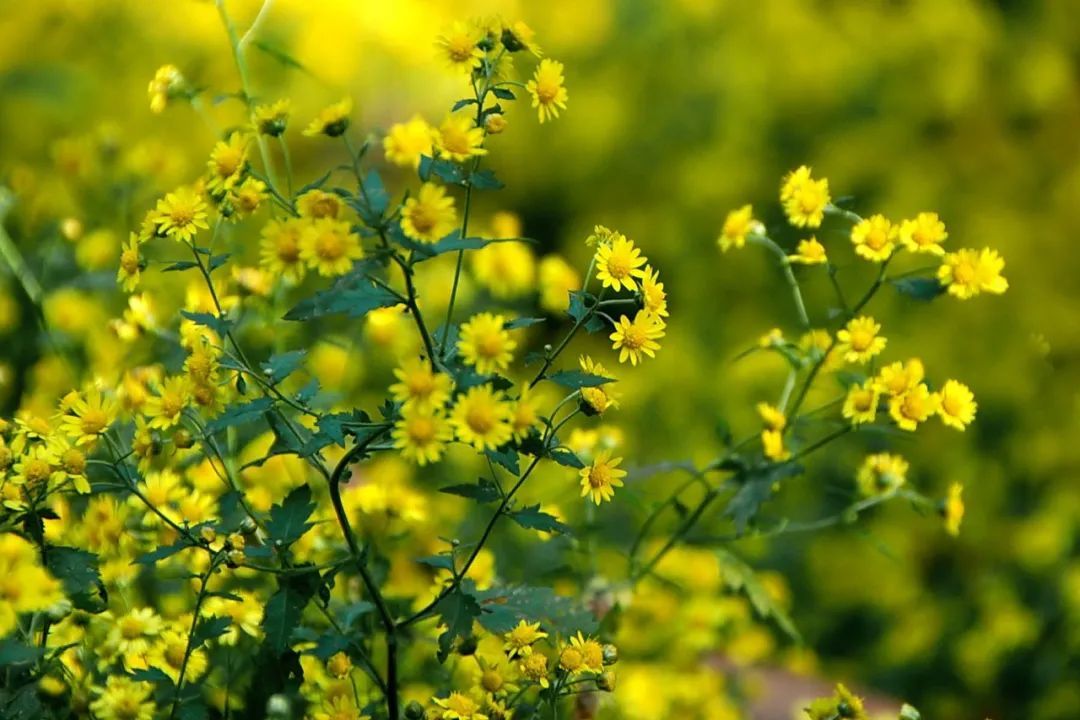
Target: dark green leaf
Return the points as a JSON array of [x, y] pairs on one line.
[[209, 628], [919, 288], [485, 180], [239, 414], [532, 518], [566, 457], [458, 610], [483, 491], [756, 487], [162, 552], [353, 295], [439, 562], [502, 93], [503, 607], [180, 266], [523, 322], [463, 103], [289, 520], [575, 379], [13, 652], [506, 457], [217, 324], [284, 608], [279, 367], [739, 576]]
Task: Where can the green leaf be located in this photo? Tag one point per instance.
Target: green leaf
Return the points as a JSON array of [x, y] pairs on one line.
[[484, 491], [532, 518], [219, 325], [239, 414], [575, 379], [485, 180], [209, 628], [328, 645], [505, 457], [458, 610], [376, 196], [566, 457], [445, 170], [925, 289], [756, 487], [503, 607], [284, 608], [78, 571], [739, 576], [180, 266], [13, 652], [523, 322], [439, 562], [352, 295], [502, 93], [280, 55], [281, 366], [289, 520], [463, 103], [160, 553]]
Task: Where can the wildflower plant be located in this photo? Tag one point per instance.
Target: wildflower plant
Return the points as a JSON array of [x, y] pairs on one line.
[[228, 520]]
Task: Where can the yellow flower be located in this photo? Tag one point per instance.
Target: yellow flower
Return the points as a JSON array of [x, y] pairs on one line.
[[227, 163], [131, 264], [842, 704], [592, 652], [422, 433], [338, 707], [861, 403], [459, 707], [519, 640], [557, 279], [485, 343], [923, 234], [317, 204], [25, 586], [652, 293], [859, 341], [913, 407], [638, 337], [167, 84], [874, 238], [339, 665], [279, 248], [246, 198], [124, 699], [481, 418], [772, 445], [548, 89], [526, 414], [897, 378], [618, 262], [332, 120], [419, 385], [272, 119], [881, 473], [406, 142], [459, 47], [599, 480], [88, 415], [459, 139], [70, 463], [772, 416], [737, 226], [520, 36], [164, 409], [495, 123], [507, 270], [429, 216], [330, 247], [957, 406], [966, 273], [809, 252], [167, 654], [181, 214], [534, 667], [804, 198], [988, 272], [601, 397], [953, 509]]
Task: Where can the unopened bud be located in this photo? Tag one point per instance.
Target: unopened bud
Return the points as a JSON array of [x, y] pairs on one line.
[[208, 535], [606, 681], [495, 123], [414, 711], [611, 654], [183, 439]]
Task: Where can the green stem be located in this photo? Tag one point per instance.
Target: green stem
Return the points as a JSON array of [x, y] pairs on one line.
[[214, 562]]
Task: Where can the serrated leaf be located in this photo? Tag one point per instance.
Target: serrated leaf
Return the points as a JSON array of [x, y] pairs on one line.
[[289, 520], [154, 676], [924, 289], [239, 414], [523, 322], [280, 366], [576, 379], [503, 607], [457, 610], [160, 553], [284, 608], [352, 295], [218, 324], [756, 485], [483, 491], [566, 457], [209, 628], [78, 571], [485, 180], [739, 576], [505, 457], [533, 518]]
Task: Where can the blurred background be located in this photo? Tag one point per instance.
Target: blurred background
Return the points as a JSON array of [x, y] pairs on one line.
[[678, 112]]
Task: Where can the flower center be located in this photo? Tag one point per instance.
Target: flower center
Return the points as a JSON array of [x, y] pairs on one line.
[[480, 419], [634, 337], [421, 430], [964, 273], [129, 261], [861, 339], [74, 462], [36, 471], [330, 246], [93, 421]]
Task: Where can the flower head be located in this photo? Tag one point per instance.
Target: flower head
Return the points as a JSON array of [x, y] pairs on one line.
[[957, 406], [809, 252], [429, 216], [330, 247], [271, 119], [279, 249], [481, 418], [881, 473], [422, 433], [486, 344], [952, 509], [419, 385], [332, 120], [804, 198], [124, 699], [923, 234], [600, 397], [874, 238], [88, 415], [548, 89], [459, 46], [227, 163], [131, 264], [406, 142], [637, 337], [317, 204], [966, 273], [913, 407], [618, 263], [899, 377], [181, 214], [520, 639], [859, 341], [168, 83], [599, 480], [458, 138], [861, 403], [737, 226]]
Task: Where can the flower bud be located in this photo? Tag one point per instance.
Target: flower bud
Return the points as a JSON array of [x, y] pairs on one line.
[[606, 681], [208, 535], [183, 439], [248, 526], [611, 654], [414, 711], [495, 123], [278, 707]]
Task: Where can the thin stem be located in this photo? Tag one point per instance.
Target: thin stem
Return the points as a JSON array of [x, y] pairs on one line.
[[214, 562], [288, 163]]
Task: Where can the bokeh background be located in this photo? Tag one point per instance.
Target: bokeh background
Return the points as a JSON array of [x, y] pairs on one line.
[[678, 112]]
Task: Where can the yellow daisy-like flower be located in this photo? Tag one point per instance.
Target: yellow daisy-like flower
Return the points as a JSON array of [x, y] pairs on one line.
[[486, 344], [422, 434], [419, 385], [534, 667], [881, 473], [25, 586], [459, 707], [246, 198], [181, 214], [458, 138], [339, 707], [738, 225], [953, 509], [923, 234], [601, 397], [34, 468], [406, 142], [570, 660], [599, 480], [317, 204], [809, 252], [772, 416], [521, 638], [804, 198], [168, 652], [459, 47], [332, 120], [638, 337], [913, 407], [548, 89], [861, 403], [279, 249], [526, 415], [557, 279], [874, 238], [70, 463], [618, 263], [899, 377], [772, 445], [592, 652], [481, 418], [131, 264], [430, 215], [988, 272], [652, 293], [966, 273], [124, 699], [227, 162], [88, 415], [519, 36], [272, 119], [330, 247], [168, 82], [957, 406], [164, 409], [859, 341]]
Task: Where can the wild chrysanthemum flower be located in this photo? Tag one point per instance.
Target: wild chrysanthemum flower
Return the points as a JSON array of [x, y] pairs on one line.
[[406, 142], [966, 273], [861, 403], [227, 163], [330, 246], [899, 377], [245, 198], [809, 252], [481, 418], [653, 296], [772, 445], [843, 704], [601, 397], [592, 652], [771, 416], [495, 123], [168, 652], [70, 463], [34, 468], [804, 198], [952, 509], [279, 249], [131, 264], [520, 639], [923, 234], [124, 699], [317, 204], [988, 272], [422, 433], [738, 225], [859, 341], [881, 473], [25, 586], [88, 415], [332, 120], [168, 82], [486, 344], [913, 407], [459, 47], [164, 409], [599, 480], [957, 406], [557, 279], [874, 238], [637, 337], [526, 414], [519, 36], [548, 89], [429, 216], [272, 119], [181, 214], [618, 263], [459, 139], [419, 385]]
